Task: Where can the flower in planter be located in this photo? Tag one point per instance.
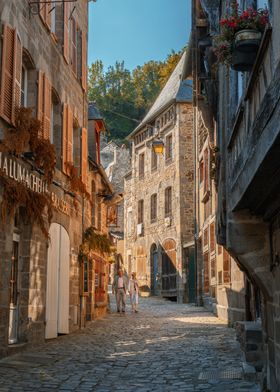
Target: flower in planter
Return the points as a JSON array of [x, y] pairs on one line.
[[249, 19]]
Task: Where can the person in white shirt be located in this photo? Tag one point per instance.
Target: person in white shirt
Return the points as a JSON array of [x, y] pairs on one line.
[[133, 289], [119, 288]]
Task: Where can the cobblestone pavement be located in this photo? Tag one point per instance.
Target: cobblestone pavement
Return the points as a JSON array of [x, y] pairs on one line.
[[165, 347]]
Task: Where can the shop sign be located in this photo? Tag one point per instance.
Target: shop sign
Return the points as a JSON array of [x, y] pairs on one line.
[[60, 204], [15, 170]]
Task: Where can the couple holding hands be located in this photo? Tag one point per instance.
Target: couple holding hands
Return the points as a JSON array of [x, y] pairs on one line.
[[121, 286]]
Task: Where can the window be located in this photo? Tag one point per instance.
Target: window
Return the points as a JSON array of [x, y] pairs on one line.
[[99, 213], [56, 126], [153, 207], [226, 267], [140, 211], [73, 45], [141, 165], [168, 201], [67, 144], [212, 237], [52, 123], [206, 272], [93, 208], [154, 160], [168, 148], [23, 90], [201, 171], [85, 277], [206, 170], [129, 222]]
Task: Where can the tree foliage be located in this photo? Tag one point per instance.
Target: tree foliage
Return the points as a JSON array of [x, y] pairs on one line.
[[123, 97]]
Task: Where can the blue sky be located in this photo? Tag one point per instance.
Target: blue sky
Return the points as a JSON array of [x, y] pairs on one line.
[[137, 31]]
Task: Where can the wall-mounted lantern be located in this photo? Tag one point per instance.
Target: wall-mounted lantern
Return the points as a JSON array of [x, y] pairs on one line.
[[158, 146]]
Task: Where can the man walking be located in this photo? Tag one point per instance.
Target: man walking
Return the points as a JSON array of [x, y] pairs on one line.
[[119, 288]]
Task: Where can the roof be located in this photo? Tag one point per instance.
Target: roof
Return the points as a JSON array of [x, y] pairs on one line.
[[177, 89], [93, 112]]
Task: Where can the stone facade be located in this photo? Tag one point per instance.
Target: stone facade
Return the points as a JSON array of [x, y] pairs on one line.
[[245, 111], [42, 280], [116, 160], [159, 199]]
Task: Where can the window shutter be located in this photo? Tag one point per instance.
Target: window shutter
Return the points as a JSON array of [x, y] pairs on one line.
[[47, 108], [84, 61], [10, 73], [226, 267], [84, 155], [74, 45], [64, 137], [40, 100], [70, 135], [66, 32], [17, 74]]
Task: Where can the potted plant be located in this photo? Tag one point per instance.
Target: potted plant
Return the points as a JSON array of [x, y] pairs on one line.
[[240, 36]]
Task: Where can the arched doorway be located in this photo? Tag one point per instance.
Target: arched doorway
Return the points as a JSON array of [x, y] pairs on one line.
[[169, 270], [57, 296], [154, 268]]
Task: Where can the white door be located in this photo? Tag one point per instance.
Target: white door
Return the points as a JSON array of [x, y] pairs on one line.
[[63, 297], [14, 295], [57, 297]]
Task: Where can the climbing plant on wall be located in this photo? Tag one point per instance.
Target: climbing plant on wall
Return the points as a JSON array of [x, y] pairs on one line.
[[26, 137]]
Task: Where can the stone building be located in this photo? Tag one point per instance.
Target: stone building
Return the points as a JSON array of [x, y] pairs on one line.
[[116, 161], [158, 207], [244, 108], [220, 282], [43, 280]]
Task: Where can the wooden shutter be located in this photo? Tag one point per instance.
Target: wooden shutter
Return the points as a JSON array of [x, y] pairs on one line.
[[17, 74], [74, 45], [40, 100], [44, 102], [226, 267], [64, 137], [10, 73], [66, 32], [84, 61], [70, 135], [84, 157], [47, 108]]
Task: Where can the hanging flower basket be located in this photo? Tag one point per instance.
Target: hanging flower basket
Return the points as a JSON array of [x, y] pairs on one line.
[[240, 36], [247, 40]]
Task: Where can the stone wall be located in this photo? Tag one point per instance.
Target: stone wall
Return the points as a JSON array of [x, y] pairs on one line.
[[42, 52]]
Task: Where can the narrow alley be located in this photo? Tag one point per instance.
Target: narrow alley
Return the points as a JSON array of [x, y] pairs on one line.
[[165, 347]]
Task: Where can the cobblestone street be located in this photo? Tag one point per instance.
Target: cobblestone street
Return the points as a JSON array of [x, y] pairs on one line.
[[165, 347]]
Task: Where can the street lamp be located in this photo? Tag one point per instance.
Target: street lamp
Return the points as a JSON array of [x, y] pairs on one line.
[[158, 146]]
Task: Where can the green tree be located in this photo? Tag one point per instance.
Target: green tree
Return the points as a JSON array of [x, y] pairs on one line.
[[123, 97]]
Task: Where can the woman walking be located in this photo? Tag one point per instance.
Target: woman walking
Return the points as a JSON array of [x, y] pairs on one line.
[[133, 289]]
